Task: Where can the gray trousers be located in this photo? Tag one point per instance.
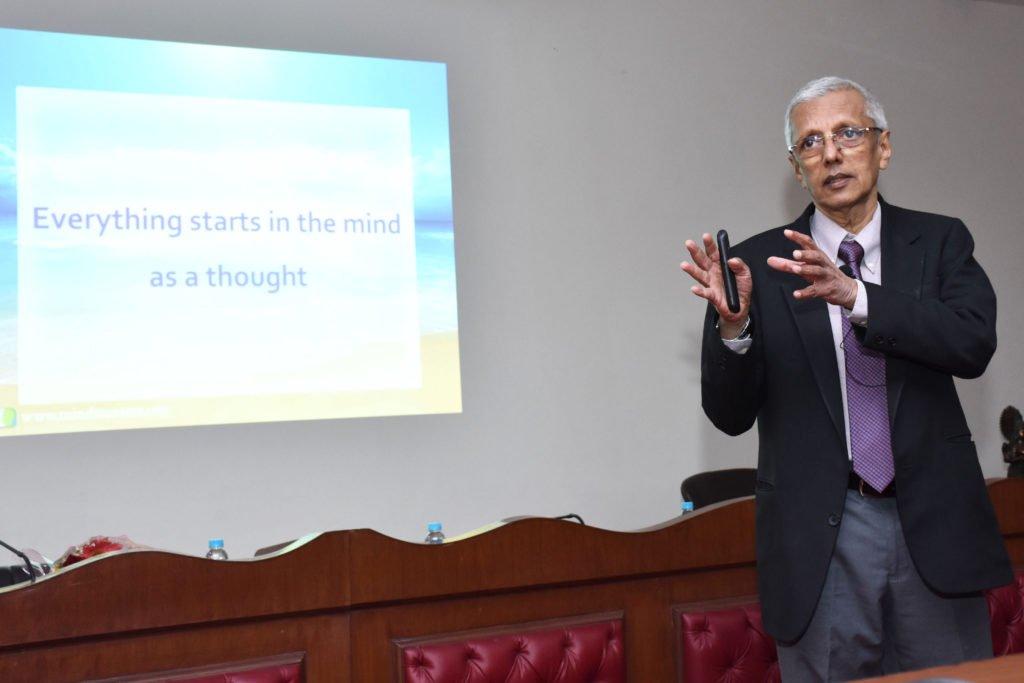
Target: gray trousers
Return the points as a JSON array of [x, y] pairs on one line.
[[875, 615]]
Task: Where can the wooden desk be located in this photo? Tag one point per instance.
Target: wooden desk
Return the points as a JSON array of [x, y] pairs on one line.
[[999, 670], [341, 598]]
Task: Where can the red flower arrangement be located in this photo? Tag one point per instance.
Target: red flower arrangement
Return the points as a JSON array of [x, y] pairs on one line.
[[97, 545]]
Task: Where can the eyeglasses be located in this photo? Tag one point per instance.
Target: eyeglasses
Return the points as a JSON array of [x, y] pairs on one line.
[[844, 138]]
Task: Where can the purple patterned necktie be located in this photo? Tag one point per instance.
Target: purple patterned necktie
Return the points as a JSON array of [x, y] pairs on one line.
[[870, 440]]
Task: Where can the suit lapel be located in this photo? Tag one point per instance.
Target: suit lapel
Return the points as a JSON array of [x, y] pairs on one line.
[[812, 321], [902, 270]]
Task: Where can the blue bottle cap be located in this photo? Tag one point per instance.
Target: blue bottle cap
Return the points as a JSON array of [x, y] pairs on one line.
[[216, 543], [434, 526], [687, 506]]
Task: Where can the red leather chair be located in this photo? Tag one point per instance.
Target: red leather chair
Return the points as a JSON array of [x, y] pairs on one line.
[[726, 644], [1006, 608], [559, 651]]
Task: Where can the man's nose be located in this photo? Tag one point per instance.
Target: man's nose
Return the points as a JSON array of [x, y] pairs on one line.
[[833, 152]]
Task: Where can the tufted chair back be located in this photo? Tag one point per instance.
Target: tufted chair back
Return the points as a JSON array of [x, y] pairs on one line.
[[558, 652], [730, 644], [726, 645], [1006, 610]]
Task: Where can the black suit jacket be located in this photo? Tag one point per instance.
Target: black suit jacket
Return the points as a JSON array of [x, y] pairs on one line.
[[934, 317]]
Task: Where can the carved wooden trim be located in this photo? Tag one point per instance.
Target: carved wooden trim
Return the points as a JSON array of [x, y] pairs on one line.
[[713, 605], [171, 675]]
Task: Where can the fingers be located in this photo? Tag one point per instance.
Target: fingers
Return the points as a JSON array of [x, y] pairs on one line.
[[709, 246], [696, 273], [715, 298], [697, 254], [800, 238], [784, 265], [816, 256], [705, 293], [705, 257], [813, 265], [737, 266], [806, 292], [704, 269], [827, 290], [810, 253], [703, 260], [811, 273]]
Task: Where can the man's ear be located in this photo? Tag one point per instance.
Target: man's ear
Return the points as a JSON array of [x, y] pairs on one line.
[[798, 172], [885, 149]]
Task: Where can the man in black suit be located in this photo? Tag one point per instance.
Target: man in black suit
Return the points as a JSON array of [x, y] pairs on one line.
[[875, 533]]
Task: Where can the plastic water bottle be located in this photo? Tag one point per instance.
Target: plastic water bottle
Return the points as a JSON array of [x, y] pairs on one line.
[[434, 534], [686, 507], [217, 551]]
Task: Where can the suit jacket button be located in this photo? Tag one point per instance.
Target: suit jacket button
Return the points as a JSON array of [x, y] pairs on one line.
[[833, 519], [892, 341], [879, 339]]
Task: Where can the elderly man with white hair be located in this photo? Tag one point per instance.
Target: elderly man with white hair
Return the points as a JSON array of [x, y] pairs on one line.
[[875, 533]]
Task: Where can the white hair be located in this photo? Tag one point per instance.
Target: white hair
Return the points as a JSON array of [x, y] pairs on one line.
[[820, 87]]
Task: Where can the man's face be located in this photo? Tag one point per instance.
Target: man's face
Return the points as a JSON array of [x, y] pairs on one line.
[[839, 180]]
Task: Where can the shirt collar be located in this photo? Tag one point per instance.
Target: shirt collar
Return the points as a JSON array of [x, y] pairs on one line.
[[827, 234]]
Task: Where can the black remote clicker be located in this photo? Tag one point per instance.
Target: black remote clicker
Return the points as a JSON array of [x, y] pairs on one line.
[[732, 294]]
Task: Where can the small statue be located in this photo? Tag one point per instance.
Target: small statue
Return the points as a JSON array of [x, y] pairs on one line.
[[1012, 426]]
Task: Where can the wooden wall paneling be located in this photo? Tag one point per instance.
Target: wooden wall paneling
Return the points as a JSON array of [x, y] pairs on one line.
[[646, 603], [544, 552], [1008, 500], [139, 590], [344, 596], [324, 640]]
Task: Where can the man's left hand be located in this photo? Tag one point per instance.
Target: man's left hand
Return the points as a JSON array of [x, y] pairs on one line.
[[812, 264]]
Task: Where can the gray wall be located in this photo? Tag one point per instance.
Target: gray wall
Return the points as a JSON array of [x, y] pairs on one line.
[[589, 139]]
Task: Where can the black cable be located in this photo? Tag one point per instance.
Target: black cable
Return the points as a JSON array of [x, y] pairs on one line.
[[28, 563]]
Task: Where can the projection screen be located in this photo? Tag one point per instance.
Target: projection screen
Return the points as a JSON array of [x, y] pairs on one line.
[[195, 234]]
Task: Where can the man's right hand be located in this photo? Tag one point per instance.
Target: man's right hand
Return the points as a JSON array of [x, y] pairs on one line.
[[707, 271]]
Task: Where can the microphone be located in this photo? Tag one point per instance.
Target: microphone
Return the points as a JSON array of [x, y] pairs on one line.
[[24, 557]]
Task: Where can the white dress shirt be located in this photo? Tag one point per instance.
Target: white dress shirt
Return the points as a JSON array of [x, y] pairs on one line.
[[827, 234]]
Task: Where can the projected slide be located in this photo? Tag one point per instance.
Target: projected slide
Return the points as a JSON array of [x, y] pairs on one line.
[[194, 234]]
